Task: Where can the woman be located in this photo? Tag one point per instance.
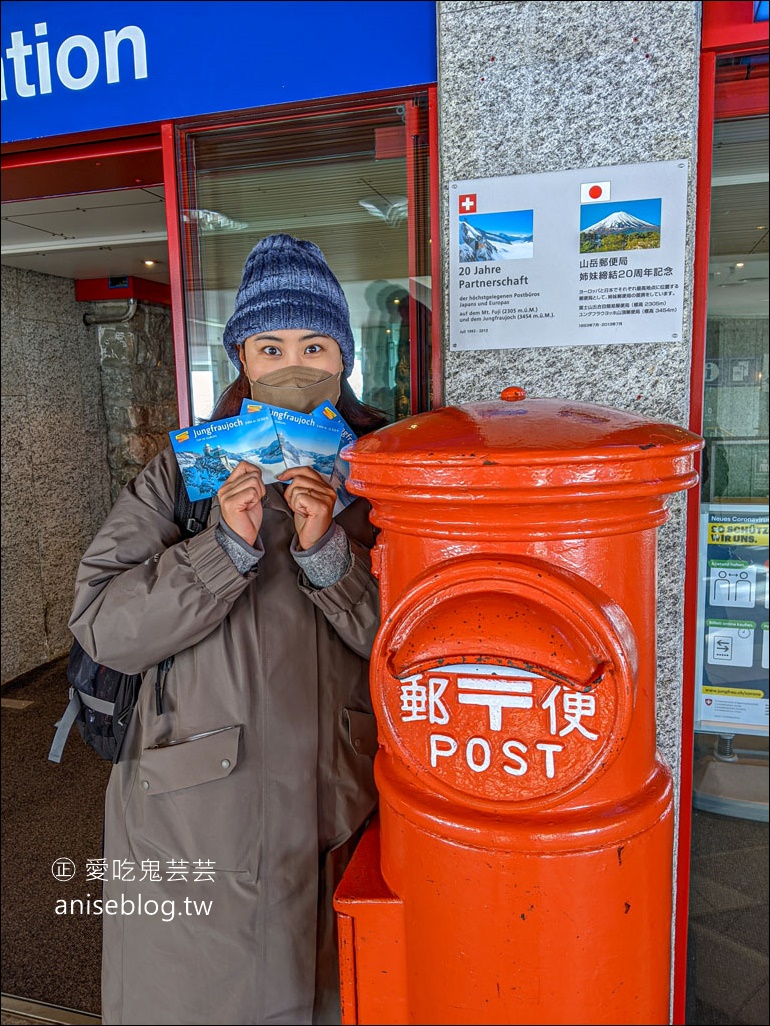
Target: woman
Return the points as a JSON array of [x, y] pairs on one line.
[[235, 807]]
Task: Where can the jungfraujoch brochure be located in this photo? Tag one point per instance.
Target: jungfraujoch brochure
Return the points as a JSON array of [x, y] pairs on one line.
[[272, 438], [314, 440]]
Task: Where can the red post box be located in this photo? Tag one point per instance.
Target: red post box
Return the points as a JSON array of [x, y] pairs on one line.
[[521, 869]]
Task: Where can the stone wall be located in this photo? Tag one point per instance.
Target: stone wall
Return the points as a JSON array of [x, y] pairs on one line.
[[84, 408], [55, 482], [138, 385]]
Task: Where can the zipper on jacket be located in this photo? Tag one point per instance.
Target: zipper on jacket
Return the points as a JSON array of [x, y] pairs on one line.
[[160, 683], [197, 737]]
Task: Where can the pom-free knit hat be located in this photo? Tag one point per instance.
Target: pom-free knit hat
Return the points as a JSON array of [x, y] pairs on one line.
[[288, 284]]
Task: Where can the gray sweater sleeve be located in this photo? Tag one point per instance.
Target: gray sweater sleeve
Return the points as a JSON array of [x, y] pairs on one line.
[[323, 564], [244, 556], [327, 561]]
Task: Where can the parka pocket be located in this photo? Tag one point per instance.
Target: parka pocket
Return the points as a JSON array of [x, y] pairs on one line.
[[190, 760], [347, 793], [362, 731], [188, 804]]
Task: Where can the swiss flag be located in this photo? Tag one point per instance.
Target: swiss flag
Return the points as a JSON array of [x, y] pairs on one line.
[[593, 192], [467, 203]]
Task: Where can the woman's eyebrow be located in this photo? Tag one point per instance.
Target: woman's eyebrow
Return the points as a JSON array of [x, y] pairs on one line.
[[267, 337]]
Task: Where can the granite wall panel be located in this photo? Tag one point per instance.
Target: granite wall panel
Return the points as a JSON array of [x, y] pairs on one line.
[[55, 479]]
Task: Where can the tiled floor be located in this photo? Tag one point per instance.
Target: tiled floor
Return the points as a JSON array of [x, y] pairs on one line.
[[728, 941]]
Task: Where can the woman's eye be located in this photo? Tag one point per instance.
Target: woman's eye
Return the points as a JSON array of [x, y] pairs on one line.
[[314, 348], [271, 351]]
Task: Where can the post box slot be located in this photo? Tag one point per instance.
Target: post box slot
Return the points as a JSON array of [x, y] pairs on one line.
[[505, 679]]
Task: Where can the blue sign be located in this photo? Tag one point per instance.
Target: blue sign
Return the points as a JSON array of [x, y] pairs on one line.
[[76, 67]]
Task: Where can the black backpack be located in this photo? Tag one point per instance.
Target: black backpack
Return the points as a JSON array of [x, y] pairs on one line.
[[102, 699]]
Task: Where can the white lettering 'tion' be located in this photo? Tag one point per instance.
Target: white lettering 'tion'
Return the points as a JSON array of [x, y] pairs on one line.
[[77, 60]]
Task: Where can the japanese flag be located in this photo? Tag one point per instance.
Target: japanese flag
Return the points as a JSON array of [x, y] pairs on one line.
[[593, 192]]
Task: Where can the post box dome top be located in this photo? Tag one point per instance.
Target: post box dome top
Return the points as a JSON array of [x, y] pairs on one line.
[[517, 429], [524, 452]]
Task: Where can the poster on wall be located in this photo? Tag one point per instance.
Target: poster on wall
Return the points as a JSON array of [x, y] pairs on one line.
[[732, 657], [587, 257]]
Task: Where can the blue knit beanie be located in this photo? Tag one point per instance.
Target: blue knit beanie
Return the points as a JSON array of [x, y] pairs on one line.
[[288, 284]]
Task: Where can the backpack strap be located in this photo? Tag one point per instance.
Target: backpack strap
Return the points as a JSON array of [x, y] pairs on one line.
[[63, 726], [191, 517]]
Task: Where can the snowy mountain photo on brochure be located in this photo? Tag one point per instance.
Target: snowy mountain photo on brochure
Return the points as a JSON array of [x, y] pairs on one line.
[[305, 442], [313, 440], [208, 453], [341, 466], [307, 439]]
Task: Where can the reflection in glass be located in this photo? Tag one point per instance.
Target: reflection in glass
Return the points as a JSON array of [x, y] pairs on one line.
[[727, 940], [342, 180], [735, 417]]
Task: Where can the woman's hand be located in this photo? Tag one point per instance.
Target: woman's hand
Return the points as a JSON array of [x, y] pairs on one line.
[[311, 500], [240, 501]]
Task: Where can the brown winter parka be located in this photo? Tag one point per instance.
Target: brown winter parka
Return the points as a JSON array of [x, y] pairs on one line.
[[256, 772]]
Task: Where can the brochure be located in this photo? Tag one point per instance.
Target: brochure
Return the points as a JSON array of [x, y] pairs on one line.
[[307, 441], [208, 453], [313, 440], [341, 467], [272, 438]]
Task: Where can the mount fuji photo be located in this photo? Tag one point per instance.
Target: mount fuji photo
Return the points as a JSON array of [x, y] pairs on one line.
[[608, 227], [507, 235]]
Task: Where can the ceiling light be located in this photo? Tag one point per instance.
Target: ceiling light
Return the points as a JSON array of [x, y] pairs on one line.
[[391, 209], [149, 263], [212, 220]]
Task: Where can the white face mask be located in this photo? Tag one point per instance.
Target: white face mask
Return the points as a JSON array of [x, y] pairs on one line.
[[296, 388]]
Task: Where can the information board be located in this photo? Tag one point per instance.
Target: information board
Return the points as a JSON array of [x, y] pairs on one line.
[[593, 256], [732, 655]]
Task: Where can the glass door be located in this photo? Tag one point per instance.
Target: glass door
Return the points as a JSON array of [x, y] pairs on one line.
[[728, 893], [732, 659], [355, 182]]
